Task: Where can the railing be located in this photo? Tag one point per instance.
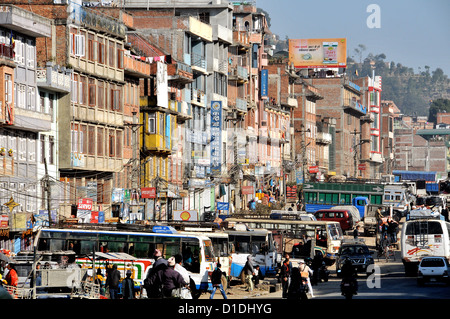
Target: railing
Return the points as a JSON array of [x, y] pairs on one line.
[[6, 51], [198, 61]]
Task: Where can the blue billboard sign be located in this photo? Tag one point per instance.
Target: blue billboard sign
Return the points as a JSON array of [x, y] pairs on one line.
[[216, 137]]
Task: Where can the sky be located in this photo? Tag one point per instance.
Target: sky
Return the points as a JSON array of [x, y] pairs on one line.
[[415, 33]]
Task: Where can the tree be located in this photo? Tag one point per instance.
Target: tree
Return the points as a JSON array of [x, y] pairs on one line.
[[438, 106]]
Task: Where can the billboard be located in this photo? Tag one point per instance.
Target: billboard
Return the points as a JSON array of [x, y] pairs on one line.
[[318, 53]]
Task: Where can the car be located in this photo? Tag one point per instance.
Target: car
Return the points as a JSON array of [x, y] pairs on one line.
[[342, 216], [433, 269], [358, 253]]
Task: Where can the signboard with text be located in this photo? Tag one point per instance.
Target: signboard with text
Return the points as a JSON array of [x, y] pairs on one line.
[[318, 53], [216, 137]]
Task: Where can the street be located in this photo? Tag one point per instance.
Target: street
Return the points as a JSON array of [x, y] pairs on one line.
[[389, 282]]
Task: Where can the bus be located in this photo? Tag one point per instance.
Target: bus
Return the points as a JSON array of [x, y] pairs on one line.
[[259, 244], [292, 236], [140, 245], [220, 244], [423, 237], [326, 195]]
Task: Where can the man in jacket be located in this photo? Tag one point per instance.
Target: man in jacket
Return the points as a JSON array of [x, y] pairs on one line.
[[216, 281], [113, 280], [171, 279], [248, 272]]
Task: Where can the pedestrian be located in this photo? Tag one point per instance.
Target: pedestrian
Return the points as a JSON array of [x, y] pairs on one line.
[[128, 286], [356, 232], [153, 282], [11, 277], [216, 281], [305, 272], [179, 267], [248, 272], [392, 230], [257, 275], [172, 281], [112, 281], [285, 275], [100, 280]]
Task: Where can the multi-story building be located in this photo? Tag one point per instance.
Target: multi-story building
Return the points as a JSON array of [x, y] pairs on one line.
[[388, 113], [342, 102], [197, 37], [92, 120], [28, 135], [371, 158]]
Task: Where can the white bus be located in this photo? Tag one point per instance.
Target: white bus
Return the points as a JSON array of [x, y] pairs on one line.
[[257, 243], [196, 249], [291, 234], [423, 237]]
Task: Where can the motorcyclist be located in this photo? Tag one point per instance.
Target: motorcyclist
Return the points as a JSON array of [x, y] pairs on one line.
[[349, 275], [316, 265]]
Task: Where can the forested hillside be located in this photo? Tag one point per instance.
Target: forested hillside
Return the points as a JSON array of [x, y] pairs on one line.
[[411, 91]]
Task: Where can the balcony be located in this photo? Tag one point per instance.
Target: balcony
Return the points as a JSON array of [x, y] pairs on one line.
[[135, 67], [289, 101], [221, 33], [198, 63], [7, 55], [238, 73], [180, 72], [241, 39], [54, 78], [369, 117], [354, 105], [24, 21], [323, 138], [198, 97]]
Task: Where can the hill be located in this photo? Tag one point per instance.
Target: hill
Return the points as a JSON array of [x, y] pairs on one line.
[[411, 92]]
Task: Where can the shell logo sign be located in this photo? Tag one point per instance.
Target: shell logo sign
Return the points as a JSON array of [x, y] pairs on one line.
[[185, 215]]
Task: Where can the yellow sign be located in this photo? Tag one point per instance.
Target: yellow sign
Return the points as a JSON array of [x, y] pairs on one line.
[[318, 53], [11, 204]]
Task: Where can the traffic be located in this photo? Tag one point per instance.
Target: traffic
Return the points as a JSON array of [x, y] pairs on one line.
[[290, 251]]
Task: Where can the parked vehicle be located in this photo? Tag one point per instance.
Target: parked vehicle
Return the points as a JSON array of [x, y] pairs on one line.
[[433, 269], [342, 216]]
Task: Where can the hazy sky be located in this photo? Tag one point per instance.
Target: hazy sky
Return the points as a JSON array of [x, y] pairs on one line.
[[412, 32]]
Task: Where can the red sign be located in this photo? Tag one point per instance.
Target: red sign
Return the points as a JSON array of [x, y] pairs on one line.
[[362, 167], [85, 204], [247, 190], [148, 192], [314, 169]]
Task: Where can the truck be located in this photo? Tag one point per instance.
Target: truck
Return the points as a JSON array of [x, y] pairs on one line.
[[370, 219], [400, 197], [326, 195]]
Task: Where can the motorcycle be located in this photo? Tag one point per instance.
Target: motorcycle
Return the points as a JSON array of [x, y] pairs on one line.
[[321, 273], [349, 288]]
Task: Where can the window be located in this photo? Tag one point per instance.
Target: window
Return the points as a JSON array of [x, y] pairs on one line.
[[101, 95], [31, 53], [51, 150], [100, 50], [83, 90], [111, 57], [100, 141], [42, 141], [8, 88], [91, 52], [75, 88], [115, 98], [119, 58], [152, 123], [91, 140], [31, 104], [79, 45], [111, 139], [91, 92], [119, 143]]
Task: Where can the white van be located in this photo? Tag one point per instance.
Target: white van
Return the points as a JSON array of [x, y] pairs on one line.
[[423, 237]]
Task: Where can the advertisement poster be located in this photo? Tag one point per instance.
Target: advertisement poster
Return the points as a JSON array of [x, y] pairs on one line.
[[318, 53], [216, 137], [185, 215]]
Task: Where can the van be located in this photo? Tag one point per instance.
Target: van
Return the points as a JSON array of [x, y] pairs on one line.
[[342, 216]]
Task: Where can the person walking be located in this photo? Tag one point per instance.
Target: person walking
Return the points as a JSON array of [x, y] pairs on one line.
[[12, 279], [248, 272], [153, 281], [285, 275], [113, 280], [171, 280], [216, 281], [305, 272], [128, 286]]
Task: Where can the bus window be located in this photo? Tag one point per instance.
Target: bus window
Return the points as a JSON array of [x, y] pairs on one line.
[[209, 252]]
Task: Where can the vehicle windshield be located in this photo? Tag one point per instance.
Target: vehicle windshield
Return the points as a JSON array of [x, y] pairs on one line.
[[354, 250], [432, 262]]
